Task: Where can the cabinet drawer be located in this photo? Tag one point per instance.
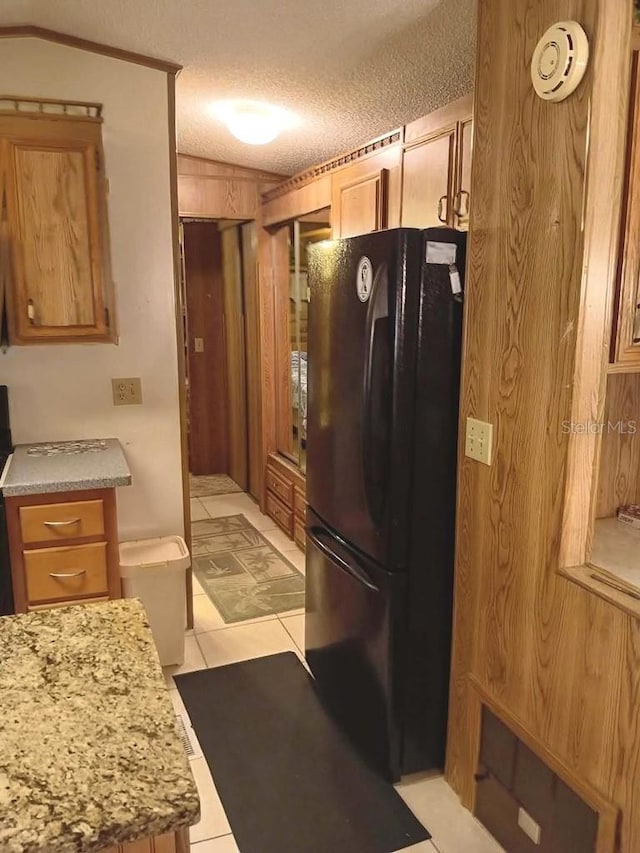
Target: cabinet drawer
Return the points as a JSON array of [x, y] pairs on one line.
[[61, 521], [59, 573], [280, 514], [280, 487], [299, 534], [300, 504]]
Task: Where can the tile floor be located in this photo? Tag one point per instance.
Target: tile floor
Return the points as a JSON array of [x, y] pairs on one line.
[[213, 643]]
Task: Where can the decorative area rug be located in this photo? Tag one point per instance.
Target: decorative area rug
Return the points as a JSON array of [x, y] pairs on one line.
[[241, 572], [288, 778], [212, 484]]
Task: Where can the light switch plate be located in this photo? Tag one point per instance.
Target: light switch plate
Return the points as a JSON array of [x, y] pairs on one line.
[[478, 443], [127, 392]]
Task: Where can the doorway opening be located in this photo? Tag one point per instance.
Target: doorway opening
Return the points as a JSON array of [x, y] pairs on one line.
[[220, 325]]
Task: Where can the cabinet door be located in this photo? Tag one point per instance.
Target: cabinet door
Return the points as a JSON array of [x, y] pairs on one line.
[[626, 340], [428, 181], [462, 197], [363, 205], [53, 205]]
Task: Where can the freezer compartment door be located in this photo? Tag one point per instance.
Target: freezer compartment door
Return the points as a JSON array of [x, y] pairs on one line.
[[351, 644], [361, 368]]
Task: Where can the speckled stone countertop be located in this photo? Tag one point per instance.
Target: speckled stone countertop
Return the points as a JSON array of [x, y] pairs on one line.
[[90, 755], [66, 466]]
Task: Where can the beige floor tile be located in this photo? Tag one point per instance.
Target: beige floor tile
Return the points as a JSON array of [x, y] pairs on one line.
[[295, 627], [224, 844], [218, 505], [422, 847], [245, 642], [454, 829], [206, 616], [193, 660], [198, 512], [197, 586], [213, 820], [297, 557], [279, 540], [176, 700]]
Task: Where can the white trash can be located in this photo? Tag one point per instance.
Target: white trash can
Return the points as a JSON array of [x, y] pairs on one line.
[[154, 571]]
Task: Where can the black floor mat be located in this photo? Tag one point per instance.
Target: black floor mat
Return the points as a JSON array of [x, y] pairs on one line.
[[288, 779]]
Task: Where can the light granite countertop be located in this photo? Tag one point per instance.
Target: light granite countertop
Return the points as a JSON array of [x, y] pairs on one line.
[[65, 466], [90, 755]]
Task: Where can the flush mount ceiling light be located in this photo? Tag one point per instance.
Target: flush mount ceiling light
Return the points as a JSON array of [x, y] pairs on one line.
[[253, 122]]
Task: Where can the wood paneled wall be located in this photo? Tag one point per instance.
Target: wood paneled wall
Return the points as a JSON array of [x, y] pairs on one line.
[[234, 321], [252, 357], [560, 661], [215, 190]]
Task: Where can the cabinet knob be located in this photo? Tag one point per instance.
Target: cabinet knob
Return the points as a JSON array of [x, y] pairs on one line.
[[31, 312]]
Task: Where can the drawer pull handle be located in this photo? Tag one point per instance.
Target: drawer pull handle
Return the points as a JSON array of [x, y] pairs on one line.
[[67, 523], [68, 574]]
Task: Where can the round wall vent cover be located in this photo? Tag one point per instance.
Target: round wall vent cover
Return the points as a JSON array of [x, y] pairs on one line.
[[559, 61]]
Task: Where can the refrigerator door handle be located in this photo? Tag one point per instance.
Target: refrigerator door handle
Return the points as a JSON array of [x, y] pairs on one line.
[[356, 571], [375, 399]]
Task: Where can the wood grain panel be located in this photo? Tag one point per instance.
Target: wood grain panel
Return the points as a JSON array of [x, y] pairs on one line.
[[55, 220], [51, 522], [387, 165], [217, 198], [619, 477], [235, 346], [306, 199], [189, 165], [267, 339], [62, 573], [361, 205], [427, 183], [208, 424], [540, 273], [281, 260], [252, 356]]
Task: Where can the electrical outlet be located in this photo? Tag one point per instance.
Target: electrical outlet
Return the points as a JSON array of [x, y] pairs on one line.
[[127, 392], [479, 441]]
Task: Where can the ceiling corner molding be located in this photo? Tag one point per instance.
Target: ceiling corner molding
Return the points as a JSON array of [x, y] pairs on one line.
[[308, 175], [30, 31]]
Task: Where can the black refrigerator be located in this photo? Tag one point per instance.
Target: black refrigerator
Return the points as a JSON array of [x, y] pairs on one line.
[[384, 342]]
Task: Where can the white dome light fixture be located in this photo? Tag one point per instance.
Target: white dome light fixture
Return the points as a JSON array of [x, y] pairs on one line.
[[253, 122]]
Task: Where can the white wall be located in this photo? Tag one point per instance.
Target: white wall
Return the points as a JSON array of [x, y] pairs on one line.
[[64, 391]]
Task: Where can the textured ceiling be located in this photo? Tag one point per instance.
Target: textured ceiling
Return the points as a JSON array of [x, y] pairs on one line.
[[349, 69]]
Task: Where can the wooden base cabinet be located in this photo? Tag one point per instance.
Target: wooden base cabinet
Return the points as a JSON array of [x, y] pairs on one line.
[[285, 498], [170, 842], [64, 548]]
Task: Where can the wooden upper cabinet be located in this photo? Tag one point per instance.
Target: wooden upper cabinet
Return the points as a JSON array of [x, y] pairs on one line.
[[437, 167], [428, 181], [625, 347], [365, 196], [362, 206], [55, 212]]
